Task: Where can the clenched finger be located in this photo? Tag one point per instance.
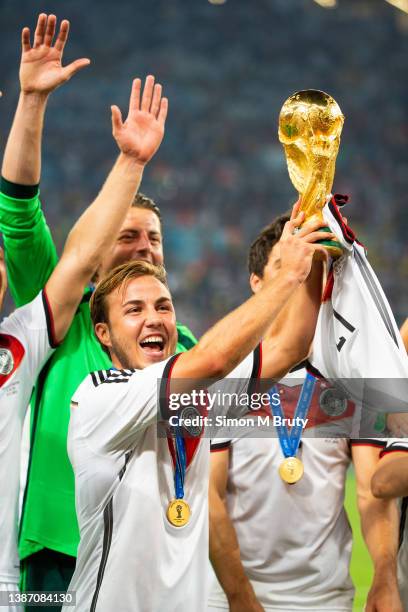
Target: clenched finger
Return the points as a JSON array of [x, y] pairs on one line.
[[314, 236], [311, 226]]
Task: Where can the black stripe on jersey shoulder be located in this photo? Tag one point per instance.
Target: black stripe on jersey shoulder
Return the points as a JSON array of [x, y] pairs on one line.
[[94, 379], [53, 342], [368, 442], [312, 370], [163, 390], [256, 370], [299, 366], [395, 447], [375, 294], [128, 457], [100, 377], [219, 446], [343, 321]]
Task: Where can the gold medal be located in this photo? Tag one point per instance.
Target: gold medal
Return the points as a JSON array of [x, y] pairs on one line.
[[291, 470], [178, 512]]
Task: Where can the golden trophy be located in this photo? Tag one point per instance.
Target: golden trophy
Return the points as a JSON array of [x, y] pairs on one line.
[[310, 125]]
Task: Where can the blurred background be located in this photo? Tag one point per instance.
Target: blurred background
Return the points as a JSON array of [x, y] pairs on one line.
[[221, 175]]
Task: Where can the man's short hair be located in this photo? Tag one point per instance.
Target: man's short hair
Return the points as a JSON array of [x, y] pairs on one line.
[[142, 201], [263, 244], [118, 277]]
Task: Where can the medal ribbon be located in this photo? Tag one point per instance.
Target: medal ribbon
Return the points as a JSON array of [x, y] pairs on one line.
[[180, 465], [290, 442]]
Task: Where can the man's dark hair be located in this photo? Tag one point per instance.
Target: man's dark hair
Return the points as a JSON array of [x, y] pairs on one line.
[[263, 244], [142, 201]]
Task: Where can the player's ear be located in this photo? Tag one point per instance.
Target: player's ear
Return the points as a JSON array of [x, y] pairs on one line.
[[256, 282], [103, 334]]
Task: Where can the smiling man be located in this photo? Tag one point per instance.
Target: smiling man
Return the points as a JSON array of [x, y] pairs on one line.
[[141, 498], [49, 531], [140, 237], [264, 562], [29, 335]]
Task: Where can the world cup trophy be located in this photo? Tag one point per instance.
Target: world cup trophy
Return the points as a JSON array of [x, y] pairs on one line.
[[310, 124]]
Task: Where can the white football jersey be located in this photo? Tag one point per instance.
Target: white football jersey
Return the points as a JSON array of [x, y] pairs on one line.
[[394, 445], [295, 540], [356, 337], [26, 341], [130, 557]]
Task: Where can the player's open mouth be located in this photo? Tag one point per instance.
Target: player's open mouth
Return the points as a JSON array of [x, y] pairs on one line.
[[153, 344]]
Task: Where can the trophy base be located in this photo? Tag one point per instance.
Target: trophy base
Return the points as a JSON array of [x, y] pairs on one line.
[[335, 249]]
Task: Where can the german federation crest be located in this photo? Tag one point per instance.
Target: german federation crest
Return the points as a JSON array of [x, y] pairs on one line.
[[192, 417], [6, 362], [332, 402]]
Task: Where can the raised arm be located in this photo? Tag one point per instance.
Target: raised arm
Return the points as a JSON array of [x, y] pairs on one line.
[[30, 251], [222, 348], [289, 339], [41, 72], [138, 139]]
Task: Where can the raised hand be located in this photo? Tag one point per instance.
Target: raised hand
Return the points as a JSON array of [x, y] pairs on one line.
[[297, 244], [142, 132], [41, 69]]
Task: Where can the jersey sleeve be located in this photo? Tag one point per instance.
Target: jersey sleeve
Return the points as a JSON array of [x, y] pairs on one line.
[[357, 342], [395, 445], [32, 324], [218, 445], [242, 380], [115, 407], [379, 443], [29, 248]]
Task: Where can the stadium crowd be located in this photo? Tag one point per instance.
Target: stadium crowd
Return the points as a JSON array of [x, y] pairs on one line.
[[94, 354], [222, 171]]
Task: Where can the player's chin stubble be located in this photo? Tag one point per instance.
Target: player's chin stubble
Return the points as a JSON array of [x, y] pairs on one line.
[[123, 353]]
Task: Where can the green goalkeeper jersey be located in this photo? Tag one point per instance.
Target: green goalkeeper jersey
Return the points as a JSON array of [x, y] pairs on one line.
[[49, 519]]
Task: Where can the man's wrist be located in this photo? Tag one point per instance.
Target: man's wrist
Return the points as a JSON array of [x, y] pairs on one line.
[[129, 162], [243, 594], [287, 279], [36, 96], [385, 571], [34, 99]]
